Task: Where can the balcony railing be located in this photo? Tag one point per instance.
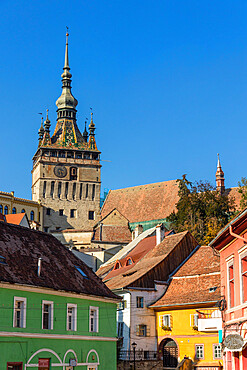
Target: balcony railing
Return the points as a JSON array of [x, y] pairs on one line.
[[140, 355], [209, 320]]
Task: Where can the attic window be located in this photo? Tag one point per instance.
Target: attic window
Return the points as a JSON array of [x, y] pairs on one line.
[[212, 289], [81, 272], [129, 262], [117, 265], [3, 260]]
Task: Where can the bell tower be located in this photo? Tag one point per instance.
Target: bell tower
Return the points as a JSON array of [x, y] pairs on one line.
[[220, 179], [66, 166]]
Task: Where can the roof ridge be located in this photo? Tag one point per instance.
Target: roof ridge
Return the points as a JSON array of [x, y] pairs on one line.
[[143, 185]]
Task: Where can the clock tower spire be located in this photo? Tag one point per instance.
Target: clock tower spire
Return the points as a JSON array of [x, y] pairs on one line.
[[66, 166]]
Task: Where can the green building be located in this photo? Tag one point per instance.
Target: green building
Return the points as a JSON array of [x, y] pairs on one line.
[[54, 311]]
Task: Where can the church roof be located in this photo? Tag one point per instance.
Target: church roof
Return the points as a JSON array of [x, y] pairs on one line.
[[145, 202]]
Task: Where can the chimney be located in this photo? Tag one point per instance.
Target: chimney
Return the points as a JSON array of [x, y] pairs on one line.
[[160, 233], [138, 230], [39, 265]]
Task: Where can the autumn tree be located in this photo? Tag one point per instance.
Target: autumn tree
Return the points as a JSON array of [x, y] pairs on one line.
[[201, 209], [242, 189]]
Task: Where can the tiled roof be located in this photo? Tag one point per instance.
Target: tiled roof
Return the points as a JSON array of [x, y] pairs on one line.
[[112, 233], [233, 192], [153, 257], [145, 202], [22, 247], [15, 218], [192, 282]]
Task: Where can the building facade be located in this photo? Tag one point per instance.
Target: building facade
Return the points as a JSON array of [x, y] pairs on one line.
[[231, 242], [187, 318], [66, 167], [54, 310], [9, 204]]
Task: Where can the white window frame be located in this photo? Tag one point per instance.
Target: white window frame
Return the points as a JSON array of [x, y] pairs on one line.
[[23, 312], [51, 303], [203, 354], [74, 316], [161, 320], [193, 321], [96, 309], [242, 254], [230, 263], [214, 347]]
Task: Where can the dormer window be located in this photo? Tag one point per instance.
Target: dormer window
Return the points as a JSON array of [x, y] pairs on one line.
[[129, 261], [117, 265]]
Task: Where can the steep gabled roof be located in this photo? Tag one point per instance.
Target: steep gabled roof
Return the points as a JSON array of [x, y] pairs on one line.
[[22, 247], [15, 219], [143, 203], [156, 264], [192, 282], [112, 233]]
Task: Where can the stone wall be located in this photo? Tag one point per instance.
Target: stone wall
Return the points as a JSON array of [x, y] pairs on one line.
[[144, 365]]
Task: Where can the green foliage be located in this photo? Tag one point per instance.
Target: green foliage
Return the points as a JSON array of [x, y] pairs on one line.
[[201, 209], [242, 189]]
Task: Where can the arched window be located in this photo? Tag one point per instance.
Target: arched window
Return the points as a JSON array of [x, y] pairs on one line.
[[14, 210], [73, 173], [1, 208], [6, 210], [23, 211], [32, 215]]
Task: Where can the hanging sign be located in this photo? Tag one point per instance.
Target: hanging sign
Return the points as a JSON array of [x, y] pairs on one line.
[[44, 364], [234, 342]]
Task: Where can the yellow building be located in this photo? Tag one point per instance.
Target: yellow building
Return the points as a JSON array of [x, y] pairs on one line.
[[186, 316], [9, 204]]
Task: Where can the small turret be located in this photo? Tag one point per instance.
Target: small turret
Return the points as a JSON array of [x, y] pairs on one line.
[[85, 133], [220, 179], [91, 142], [47, 123], [91, 126], [41, 132]]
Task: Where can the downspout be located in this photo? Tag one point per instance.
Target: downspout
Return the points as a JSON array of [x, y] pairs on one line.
[[236, 235]]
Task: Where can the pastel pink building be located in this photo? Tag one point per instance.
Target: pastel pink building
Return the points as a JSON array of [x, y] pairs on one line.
[[231, 243]]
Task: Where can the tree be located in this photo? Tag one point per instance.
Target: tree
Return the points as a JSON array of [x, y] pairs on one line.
[[242, 189], [201, 209]]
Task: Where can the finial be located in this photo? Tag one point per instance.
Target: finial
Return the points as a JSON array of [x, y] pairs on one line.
[[66, 60], [41, 130], [47, 122], [85, 133]]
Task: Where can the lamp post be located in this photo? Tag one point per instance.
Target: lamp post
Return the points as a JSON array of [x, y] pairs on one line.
[[134, 350]]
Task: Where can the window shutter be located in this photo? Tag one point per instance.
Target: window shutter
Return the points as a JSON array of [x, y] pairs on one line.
[[137, 330], [170, 321], [147, 331], [161, 321], [196, 319]]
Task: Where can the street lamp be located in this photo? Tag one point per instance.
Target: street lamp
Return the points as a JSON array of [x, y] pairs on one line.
[[134, 350]]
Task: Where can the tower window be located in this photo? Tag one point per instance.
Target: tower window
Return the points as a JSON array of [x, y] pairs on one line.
[[93, 192], [59, 189], [32, 215], [66, 189], [74, 190], [53, 154], [6, 210], [46, 229], [44, 189], [13, 211], [91, 215], [78, 155], [72, 213], [61, 154], [86, 191], [48, 211], [70, 155], [61, 212], [80, 191], [52, 188], [86, 156], [73, 173]]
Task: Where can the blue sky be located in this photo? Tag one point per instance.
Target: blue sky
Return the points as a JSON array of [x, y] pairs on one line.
[[167, 81]]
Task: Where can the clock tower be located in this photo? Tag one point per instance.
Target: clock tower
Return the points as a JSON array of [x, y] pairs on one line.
[[66, 167]]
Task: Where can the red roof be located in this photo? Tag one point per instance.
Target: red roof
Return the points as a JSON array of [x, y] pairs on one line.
[[15, 218], [192, 282], [145, 202]]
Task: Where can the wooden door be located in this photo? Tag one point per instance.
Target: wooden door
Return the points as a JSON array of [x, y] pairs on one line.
[[170, 355]]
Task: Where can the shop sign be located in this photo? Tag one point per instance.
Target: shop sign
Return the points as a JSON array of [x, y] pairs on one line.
[[44, 363], [234, 342], [72, 362]]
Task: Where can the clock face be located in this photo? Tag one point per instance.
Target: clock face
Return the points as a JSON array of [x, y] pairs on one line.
[[60, 171]]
